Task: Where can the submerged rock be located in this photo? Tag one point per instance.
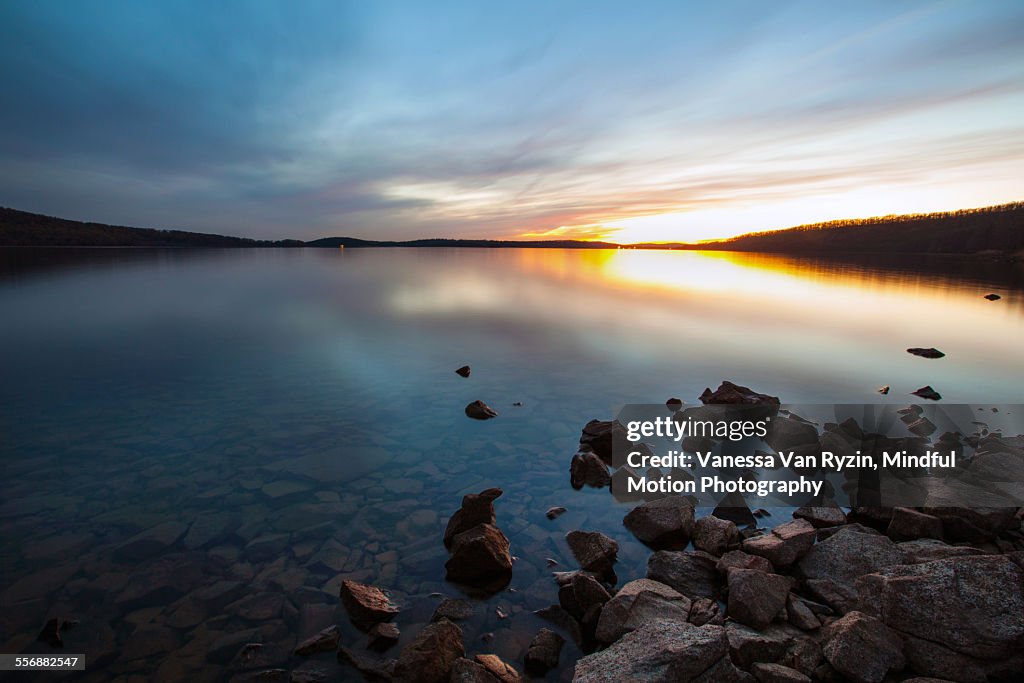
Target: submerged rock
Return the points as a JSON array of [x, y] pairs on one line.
[[926, 353], [324, 641], [478, 410], [453, 609], [383, 636], [543, 653], [366, 605], [660, 521], [430, 657]]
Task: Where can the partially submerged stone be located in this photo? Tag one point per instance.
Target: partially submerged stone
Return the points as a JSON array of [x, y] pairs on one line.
[[366, 605]]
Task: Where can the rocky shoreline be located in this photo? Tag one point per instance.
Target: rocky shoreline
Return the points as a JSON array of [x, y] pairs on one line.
[[863, 595]]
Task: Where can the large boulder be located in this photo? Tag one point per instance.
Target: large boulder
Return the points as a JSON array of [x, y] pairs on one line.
[[715, 535], [662, 651], [366, 605], [756, 598], [480, 557], [430, 657], [615, 613], [645, 607], [830, 567], [661, 521], [691, 572], [477, 508], [968, 605], [862, 648], [594, 551], [786, 543]]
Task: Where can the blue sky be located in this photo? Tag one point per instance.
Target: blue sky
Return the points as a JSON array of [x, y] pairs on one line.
[[630, 121]]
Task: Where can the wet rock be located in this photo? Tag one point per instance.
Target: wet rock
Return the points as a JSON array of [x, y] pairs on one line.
[[926, 353], [586, 469], [555, 512], [324, 641], [970, 605], [735, 509], [821, 516], [993, 297], [594, 552], [430, 657], [786, 543], [755, 598], [715, 535], [501, 670], [928, 393], [777, 673], [371, 668], [463, 371], [382, 636], [150, 542], [480, 557], [664, 520], [661, 651], [800, 615], [862, 648], [478, 410], [149, 641], [691, 572], [162, 581], [581, 594], [477, 508], [366, 605], [737, 559], [730, 393], [543, 653], [598, 436], [909, 525], [453, 609]]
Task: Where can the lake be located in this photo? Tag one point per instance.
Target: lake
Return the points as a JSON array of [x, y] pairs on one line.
[[197, 446]]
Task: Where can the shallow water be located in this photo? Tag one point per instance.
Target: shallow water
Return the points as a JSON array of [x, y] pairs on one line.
[[272, 421]]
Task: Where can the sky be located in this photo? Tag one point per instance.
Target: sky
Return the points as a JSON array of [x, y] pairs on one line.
[[627, 121]]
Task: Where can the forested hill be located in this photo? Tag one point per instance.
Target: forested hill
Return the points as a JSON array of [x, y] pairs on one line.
[[995, 229], [20, 228]]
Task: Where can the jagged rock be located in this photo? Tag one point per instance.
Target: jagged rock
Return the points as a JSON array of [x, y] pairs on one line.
[[615, 613], [563, 620], [581, 594], [382, 636], [454, 609], [800, 615], [502, 671], [737, 559], [691, 572], [715, 535], [477, 508], [862, 648], [786, 543], [969, 605], [324, 641], [463, 371], [640, 609], [831, 567], [926, 353], [366, 605], [928, 393], [543, 653], [776, 673], [586, 469], [755, 598], [480, 557], [706, 611], [663, 520], [478, 410], [594, 551], [554, 512], [822, 516], [598, 436], [910, 525], [730, 393], [748, 645], [735, 509], [661, 651], [430, 657]]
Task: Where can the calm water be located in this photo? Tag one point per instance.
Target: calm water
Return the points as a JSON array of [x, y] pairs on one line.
[[197, 447]]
